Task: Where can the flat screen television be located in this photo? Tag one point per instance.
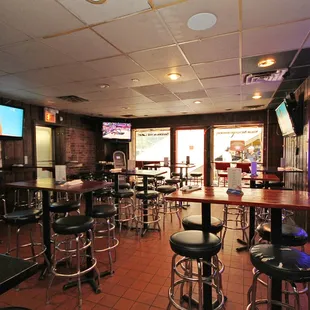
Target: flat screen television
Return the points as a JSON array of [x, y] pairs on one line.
[[116, 131], [284, 119], [11, 122]]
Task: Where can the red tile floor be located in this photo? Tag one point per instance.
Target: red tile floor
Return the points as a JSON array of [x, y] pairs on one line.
[[142, 276]]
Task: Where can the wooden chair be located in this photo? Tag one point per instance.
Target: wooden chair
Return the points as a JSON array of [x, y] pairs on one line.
[[245, 167], [221, 168]]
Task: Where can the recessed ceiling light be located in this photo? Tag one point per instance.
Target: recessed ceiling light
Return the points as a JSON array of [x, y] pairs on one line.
[[96, 1], [50, 101], [266, 62], [135, 80], [104, 86], [125, 108], [257, 96], [202, 21], [228, 109], [184, 112], [174, 76], [197, 101]]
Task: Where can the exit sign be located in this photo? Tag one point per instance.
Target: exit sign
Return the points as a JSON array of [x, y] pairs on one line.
[[50, 115]]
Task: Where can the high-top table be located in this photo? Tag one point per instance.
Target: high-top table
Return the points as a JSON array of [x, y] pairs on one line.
[[182, 166], [13, 271], [264, 198], [48, 185]]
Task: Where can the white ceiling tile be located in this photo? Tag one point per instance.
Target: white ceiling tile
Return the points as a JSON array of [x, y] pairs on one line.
[[127, 80], [260, 87], [263, 102], [176, 17], [204, 102], [152, 90], [135, 33], [265, 12], [172, 103], [226, 99], [82, 45], [111, 94], [232, 80], [37, 18], [76, 72], [212, 49], [115, 66], [178, 87], [10, 81], [2, 73], [92, 13], [223, 91], [22, 94], [10, 35], [280, 38], [218, 68], [186, 72], [165, 57], [12, 64], [163, 98], [192, 94], [36, 54], [159, 3], [42, 77]]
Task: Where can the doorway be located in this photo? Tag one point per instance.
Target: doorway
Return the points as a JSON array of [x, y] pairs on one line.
[[44, 151], [190, 142]]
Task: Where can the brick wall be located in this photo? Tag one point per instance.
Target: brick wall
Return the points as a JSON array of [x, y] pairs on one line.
[[81, 147]]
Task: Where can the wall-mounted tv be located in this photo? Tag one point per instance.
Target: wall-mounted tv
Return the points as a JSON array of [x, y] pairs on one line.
[[116, 131], [11, 122], [284, 119]]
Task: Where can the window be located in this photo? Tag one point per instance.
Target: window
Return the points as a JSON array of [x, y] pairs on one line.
[[152, 144]]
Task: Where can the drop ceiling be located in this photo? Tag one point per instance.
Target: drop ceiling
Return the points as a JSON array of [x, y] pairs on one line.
[[53, 48]]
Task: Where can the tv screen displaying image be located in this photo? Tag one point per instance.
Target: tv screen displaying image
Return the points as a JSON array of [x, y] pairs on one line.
[[11, 122], [284, 120], [117, 131]]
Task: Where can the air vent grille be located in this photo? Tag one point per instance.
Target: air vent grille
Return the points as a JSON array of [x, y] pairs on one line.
[[253, 107], [269, 76], [72, 98], [128, 115]]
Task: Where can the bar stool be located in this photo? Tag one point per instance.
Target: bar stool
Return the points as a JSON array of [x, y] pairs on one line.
[[77, 226], [283, 263], [103, 195], [196, 178], [147, 213], [292, 236], [125, 207], [195, 247], [19, 219], [167, 207], [194, 222], [104, 216], [64, 207], [239, 214]]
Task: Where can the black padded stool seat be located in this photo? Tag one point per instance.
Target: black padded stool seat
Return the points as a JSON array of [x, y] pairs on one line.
[[172, 181], [123, 193], [14, 308], [73, 225], [166, 189], [196, 174], [291, 235], [124, 186], [148, 195], [285, 263], [194, 222], [140, 187], [104, 211], [195, 244], [23, 217], [104, 192], [64, 206]]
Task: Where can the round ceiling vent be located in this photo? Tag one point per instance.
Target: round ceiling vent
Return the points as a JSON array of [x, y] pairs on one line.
[[202, 21]]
